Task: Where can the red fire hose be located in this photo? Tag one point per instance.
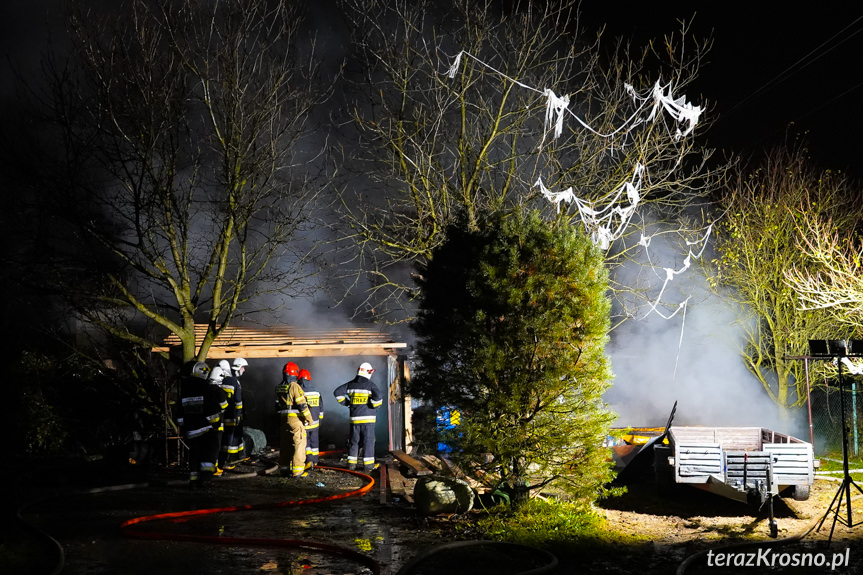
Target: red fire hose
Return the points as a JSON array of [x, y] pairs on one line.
[[129, 530]]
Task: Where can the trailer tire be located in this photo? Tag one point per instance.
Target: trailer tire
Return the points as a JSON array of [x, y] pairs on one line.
[[800, 492]]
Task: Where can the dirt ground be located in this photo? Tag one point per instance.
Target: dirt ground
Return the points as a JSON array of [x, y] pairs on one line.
[[682, 528], [693, 515], [669, 534]]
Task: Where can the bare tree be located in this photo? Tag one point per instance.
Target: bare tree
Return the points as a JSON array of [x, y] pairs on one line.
[[181, 123], [757, 241], [831, 278], [457, 118]]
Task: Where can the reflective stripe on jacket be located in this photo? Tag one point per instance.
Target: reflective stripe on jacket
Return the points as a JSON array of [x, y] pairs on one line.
[[362, 398]]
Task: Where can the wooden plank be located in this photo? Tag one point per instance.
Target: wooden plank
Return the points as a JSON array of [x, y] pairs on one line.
[[286, 341], [398, 486], [247, 352], [412, 464]]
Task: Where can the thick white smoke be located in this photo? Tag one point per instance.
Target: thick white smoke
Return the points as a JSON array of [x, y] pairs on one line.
[[692, 358]]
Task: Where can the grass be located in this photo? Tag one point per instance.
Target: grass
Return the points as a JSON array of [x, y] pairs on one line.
[[548, 523], [832, 461]]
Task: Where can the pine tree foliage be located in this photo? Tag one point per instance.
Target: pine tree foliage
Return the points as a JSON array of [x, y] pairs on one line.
[[511, 330]]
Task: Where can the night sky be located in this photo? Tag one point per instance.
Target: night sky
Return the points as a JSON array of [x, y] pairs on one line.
[[773, 71]]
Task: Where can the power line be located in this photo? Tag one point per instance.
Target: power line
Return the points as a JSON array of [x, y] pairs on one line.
[[796, 67]]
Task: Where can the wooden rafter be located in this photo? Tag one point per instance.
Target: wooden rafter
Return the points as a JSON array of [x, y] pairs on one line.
[[284, 341]]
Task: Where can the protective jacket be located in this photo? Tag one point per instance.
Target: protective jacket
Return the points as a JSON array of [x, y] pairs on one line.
[[233, 447], [234, 391], [200, 418], [362, 398], [316, 408], [201, 405], [291, 401], [293, 412]]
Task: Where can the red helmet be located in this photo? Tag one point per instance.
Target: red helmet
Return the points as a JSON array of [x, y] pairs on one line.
[[291, 368], [305, 374]]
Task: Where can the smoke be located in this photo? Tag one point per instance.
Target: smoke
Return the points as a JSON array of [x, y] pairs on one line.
[[263, 375], [692, 358]]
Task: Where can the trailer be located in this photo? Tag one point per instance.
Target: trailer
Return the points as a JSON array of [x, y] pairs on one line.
[[747, 464]]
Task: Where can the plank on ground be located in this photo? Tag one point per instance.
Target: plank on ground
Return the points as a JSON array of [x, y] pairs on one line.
[[414, 465]]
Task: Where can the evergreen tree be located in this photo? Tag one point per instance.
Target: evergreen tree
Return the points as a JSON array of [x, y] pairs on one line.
[[512, 328]]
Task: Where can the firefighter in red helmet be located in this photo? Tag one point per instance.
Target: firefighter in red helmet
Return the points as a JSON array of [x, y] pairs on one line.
[[313, 398], [294, 416]]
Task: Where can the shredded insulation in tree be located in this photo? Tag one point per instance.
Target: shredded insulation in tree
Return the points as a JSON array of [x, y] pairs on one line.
[[608, 223]]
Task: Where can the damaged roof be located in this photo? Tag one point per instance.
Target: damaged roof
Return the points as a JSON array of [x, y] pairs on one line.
[[287, 341]]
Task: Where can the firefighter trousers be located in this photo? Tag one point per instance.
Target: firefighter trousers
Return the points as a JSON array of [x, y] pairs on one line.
[[203, 455], [292, 452], [362, 437], [313, 449]]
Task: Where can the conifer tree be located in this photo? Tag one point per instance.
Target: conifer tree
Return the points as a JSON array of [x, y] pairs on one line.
[[512, 328]]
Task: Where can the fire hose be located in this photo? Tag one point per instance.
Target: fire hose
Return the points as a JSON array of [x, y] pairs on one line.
[[129, 527], [132, 527]]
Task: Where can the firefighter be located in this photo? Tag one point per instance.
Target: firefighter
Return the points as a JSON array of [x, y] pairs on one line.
[[200, 415], [294, 415], [316, 408], [217, 380], [362, 398], [233, 449]]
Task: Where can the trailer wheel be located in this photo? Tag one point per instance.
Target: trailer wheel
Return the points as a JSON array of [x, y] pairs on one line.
[[800, 492]]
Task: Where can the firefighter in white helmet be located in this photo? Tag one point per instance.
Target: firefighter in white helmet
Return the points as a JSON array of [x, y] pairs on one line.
[[362, 398], [217, 380], [233, 448], [200, 417]]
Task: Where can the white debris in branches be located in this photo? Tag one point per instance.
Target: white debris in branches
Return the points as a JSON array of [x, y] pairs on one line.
[[608, 222], [678, 108], [671, 273], [453, 70], [556, 198], [554, 109]]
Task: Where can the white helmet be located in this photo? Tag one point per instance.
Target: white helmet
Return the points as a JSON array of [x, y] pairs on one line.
[[217, 375], [199, 369], [240, 365], [365, 370], [225, 365]]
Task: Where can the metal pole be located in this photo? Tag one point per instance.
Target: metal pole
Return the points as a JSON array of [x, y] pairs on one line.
[[809, 402], [847, 477], [854, 411]]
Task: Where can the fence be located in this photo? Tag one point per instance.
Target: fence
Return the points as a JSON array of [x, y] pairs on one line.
[[827, 418]]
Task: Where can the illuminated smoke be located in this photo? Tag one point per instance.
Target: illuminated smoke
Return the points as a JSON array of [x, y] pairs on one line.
[[654, 365]]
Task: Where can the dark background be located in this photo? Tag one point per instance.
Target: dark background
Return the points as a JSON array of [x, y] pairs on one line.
[[775, 72]]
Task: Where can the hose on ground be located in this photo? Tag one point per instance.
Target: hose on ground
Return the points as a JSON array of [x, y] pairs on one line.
[[129, 527]]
